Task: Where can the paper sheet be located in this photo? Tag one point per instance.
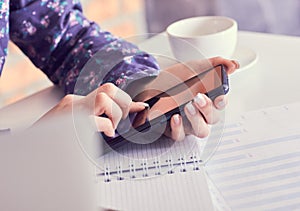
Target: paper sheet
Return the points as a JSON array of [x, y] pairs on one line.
[[180, 191], [257, 168]]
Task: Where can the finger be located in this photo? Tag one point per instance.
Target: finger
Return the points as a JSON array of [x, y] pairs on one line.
[[200, 127], [118, 95], [104, 125], [220, 102], [231, 65], [105, 105], [206, 108], [138, 106], [177, 131]]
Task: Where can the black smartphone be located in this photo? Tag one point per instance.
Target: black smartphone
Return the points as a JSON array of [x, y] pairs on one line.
[[213, 82]]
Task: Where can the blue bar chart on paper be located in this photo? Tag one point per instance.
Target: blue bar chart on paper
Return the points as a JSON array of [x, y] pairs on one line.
[[256, 166]]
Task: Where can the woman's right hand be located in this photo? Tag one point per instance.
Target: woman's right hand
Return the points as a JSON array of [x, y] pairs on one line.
[[106, 99]]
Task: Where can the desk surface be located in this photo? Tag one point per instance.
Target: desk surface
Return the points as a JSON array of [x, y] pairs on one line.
[[271, 81]]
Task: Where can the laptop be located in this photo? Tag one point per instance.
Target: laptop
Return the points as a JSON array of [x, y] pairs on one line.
[[47, 167]]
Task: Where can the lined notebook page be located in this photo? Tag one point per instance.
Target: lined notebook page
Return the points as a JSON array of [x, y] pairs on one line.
[[181, 191], [257, 168]]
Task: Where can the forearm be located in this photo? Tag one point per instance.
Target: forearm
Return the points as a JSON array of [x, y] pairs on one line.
[[60, 41]]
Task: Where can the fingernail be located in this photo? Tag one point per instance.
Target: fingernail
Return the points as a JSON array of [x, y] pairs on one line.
[[146, 105], [200, 100], [176, 119], [221, 104], [112, 133], [191, 109]]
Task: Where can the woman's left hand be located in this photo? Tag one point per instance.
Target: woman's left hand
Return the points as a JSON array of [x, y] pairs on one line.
[[202, 111]]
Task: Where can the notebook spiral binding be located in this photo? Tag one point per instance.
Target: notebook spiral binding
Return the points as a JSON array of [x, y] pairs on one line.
[[146, 169]]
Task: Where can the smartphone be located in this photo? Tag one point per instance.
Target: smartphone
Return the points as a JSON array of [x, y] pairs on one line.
[[213, 82]]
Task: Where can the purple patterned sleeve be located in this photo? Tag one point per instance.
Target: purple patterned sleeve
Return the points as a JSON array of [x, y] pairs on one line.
[[4, 28], [59, 40]]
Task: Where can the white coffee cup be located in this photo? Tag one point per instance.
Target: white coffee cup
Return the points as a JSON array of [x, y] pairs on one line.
[[204, 36]]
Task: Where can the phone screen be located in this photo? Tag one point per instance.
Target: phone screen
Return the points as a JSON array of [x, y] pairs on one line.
[[212, 82]]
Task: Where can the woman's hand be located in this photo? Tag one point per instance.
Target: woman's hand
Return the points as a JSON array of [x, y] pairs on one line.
[[202, 111], [107, 99]]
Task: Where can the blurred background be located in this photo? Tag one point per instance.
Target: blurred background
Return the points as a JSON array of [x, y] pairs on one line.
[[131, 17]]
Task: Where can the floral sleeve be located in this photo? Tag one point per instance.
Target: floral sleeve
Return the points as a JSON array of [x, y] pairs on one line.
[[59, 40]]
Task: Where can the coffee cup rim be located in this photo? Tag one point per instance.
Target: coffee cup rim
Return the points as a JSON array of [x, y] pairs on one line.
[[232, 21]]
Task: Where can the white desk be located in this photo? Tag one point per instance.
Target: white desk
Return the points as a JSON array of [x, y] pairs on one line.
[[272, 81], [25, 112]]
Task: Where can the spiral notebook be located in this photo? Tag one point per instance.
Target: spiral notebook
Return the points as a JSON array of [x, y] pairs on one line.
[[143, 177], [163, 157], [130, 183]]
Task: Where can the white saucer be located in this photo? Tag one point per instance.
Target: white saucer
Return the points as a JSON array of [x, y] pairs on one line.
[[245, 56]]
